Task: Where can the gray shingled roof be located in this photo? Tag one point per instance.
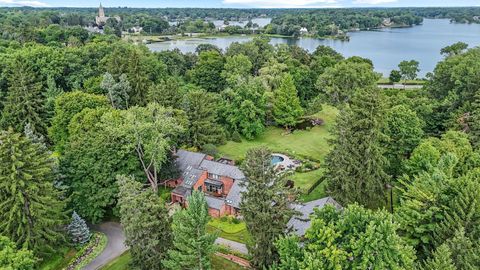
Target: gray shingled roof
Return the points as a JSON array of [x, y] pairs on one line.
[[190, 176], [187, 158], [222, 169], [215, 203], [234, 197], [183, 191], [300, 224]]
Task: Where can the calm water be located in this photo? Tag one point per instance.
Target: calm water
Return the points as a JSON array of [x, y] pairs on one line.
[[386, 48]]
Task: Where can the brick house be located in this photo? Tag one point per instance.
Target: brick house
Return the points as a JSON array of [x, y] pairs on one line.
[[219, 180]]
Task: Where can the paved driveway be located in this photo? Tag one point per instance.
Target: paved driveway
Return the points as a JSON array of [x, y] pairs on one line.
[[239, 247], [115, 246]]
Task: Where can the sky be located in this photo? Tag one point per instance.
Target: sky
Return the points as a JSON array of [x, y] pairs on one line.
[[242, 3]]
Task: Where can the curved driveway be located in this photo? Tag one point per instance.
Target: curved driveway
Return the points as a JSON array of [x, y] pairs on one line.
[[115, 245]]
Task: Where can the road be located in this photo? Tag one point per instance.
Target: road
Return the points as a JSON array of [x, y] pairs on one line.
[[115, 245]]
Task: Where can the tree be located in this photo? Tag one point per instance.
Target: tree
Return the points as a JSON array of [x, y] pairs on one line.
[[93, 156], [442, 259], [244, 108], [355, 165], [474, 122], [207, 72], [236, 67], [66, 106], [286, 105], [265, 206], [395, 76], [408, 70], [78, 230], [341, 81], [167, 93], [201, 108], [403, 130], [355, 238], [454, 49], [12, 258], [146, 223], [192, 245], [31, 212], [464, 251], [117, 92], [24, 102]]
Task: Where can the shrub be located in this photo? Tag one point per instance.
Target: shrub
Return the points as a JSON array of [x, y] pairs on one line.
[[236, 137], [210, 149]]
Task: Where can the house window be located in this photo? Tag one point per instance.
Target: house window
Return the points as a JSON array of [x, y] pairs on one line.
[[213, 188], [213, 176]]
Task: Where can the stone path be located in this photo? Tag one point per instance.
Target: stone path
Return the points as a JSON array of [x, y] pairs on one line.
[[115, 245]]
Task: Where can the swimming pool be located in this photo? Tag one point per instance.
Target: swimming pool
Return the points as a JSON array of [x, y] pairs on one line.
[[276, 159]]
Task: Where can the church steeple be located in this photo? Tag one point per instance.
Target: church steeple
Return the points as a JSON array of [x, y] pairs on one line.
[[101, 13]]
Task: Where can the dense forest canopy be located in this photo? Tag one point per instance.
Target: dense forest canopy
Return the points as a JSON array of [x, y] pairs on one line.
[[90, 125]]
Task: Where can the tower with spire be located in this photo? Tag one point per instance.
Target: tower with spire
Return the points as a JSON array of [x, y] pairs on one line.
[[101, 12]]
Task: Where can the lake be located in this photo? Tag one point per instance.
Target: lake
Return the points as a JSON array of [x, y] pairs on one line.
[[385, 47]]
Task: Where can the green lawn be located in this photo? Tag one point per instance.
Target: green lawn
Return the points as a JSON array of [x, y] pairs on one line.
[[121, 263], [229, 230], [311, 144], [308, 143], [317, 193], [59, 260]]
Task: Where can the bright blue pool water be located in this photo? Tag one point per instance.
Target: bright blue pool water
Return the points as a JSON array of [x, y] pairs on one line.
[[276, 159]]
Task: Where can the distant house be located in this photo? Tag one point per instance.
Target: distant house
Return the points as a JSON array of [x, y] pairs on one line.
[[136, 29], [219, 180], [300, 224], [303, 31]]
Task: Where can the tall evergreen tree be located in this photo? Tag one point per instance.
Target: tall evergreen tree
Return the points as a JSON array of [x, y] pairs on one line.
[[24, 102], [146, 223], [167, 93], [465, 252], [265, 206], [201, 109], [286, 104], [442, 259], [30, 213], [355, 166], [474, 122], [192, 245]]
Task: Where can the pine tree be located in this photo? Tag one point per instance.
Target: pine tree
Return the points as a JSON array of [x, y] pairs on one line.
[[355, 166], [465, 252], [442, 259], [192, 245], [30, 213], [202, 113], [265, 206], [286, 104], [24, 102], [474, 122], [146, 223], [167, 93], [51, 94], [78, 230]]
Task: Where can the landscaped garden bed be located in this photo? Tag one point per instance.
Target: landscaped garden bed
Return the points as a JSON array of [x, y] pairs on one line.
[[88, 252]]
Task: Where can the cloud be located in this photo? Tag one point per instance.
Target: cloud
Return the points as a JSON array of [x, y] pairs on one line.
[[373, 2], [30, 3], [283, 3]]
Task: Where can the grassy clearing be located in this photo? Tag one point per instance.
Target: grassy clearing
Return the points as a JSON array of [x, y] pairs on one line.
[[59, 260], [122, 263], [229, 228], [311, 144], [317, 193], [119, 263]]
